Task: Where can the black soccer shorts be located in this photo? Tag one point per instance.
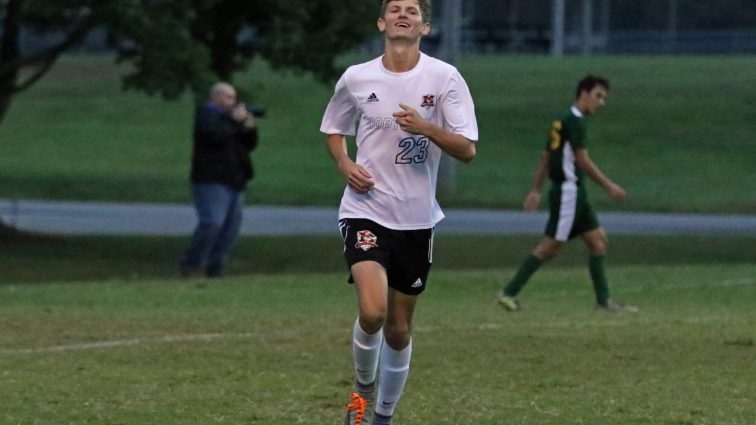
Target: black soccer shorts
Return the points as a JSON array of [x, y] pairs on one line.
[[406, 255]]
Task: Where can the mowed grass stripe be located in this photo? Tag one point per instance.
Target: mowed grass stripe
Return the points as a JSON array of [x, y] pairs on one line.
[[676, 140], [274, 338]]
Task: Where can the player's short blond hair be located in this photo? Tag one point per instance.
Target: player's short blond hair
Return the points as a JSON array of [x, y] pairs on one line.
[[425, 9]]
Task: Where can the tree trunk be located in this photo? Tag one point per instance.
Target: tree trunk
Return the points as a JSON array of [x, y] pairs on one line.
[[9, 52], [12, 61], [5, 101]]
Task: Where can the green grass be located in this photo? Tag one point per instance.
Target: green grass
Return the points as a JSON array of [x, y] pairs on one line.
[[97, 330], [677, 133], [25, 259], [274, 349]]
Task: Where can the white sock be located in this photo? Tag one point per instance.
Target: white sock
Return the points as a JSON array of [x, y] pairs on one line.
[[394, 368], [365, 351]]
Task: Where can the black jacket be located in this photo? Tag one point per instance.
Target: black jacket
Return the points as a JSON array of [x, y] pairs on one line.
[[221, 149]]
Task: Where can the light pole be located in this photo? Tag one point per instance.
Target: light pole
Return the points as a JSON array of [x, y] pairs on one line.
[[557, 28], [451, 42], [587, 35], [672, 26]]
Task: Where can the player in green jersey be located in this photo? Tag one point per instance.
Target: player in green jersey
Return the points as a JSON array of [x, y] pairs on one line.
[[566, 162]]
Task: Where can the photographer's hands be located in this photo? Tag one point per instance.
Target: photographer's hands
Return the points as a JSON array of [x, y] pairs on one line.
[[240, 114]]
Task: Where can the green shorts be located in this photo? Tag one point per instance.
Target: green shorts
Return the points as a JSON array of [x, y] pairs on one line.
[[570, 213]]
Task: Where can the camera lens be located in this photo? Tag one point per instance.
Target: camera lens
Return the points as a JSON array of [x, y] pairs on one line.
[[256, 112]]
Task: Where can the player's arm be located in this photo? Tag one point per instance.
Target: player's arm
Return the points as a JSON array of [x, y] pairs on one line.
[[454, 144], [533, 197], [585, 163], [356, 176]]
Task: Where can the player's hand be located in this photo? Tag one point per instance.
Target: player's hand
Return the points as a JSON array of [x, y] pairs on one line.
[[616, 191], [357, 177], [410, 120], [532, 201]]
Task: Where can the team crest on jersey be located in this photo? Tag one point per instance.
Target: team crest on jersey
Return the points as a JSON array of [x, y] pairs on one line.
[[366, 240], [429, 101]]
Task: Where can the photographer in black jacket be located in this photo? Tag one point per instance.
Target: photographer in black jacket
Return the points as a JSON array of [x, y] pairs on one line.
[[224, 136]]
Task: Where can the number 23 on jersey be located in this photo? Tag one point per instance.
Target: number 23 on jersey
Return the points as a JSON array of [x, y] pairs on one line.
[[413, 150]]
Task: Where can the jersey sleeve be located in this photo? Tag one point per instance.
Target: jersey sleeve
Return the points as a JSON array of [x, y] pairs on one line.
[[554, 141], [459, 109], [341, 115]]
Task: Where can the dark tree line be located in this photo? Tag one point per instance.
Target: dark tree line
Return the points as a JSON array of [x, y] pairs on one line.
[[182, 45]]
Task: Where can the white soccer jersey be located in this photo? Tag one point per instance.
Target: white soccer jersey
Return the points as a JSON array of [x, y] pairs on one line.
[[404, 166]]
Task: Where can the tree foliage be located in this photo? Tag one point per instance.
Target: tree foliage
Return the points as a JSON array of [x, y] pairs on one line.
[[183, 45]]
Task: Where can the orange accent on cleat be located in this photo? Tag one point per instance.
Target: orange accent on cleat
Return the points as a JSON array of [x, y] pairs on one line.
[[356, 410]]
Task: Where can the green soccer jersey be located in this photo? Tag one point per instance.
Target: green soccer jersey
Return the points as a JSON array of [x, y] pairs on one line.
[[566, 135]]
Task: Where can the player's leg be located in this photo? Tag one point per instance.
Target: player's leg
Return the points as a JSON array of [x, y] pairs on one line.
[[546, 249], [562, 204], [596, 242], [594, 236], [366, 255], [412, 256], [370, 283], [395, 354]]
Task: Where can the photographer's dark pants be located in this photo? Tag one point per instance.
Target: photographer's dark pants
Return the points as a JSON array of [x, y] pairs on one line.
[[219, 213]]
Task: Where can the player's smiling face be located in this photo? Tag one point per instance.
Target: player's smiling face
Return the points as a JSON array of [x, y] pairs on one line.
[[591, 101], [403, 20]]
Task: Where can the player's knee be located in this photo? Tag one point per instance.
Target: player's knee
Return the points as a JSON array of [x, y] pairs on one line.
[[546, 252], [600, 245], [372, 321], [397, 335], [599, 249]]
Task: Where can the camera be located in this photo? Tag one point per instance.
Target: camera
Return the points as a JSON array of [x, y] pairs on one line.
[[255, 111]]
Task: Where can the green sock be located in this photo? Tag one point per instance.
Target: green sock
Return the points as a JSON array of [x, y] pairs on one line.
[[598, 276], [527, 268]]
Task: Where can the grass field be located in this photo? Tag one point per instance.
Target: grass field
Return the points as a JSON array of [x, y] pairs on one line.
[[677, 133], [274, 349], [98, 330], [40, 259]]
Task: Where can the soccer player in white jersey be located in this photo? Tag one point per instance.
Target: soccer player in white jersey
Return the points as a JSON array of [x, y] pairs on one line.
[[407, 109]]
